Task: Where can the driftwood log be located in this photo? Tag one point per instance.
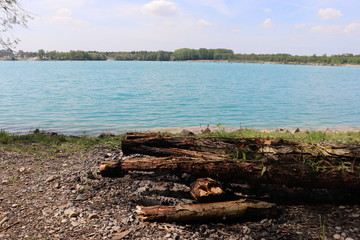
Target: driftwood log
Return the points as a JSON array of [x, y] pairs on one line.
[[208, 212], [255, 160]]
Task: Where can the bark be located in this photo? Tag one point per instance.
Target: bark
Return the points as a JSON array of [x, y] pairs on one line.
[[207, 190], [209, 212], [254, 160]]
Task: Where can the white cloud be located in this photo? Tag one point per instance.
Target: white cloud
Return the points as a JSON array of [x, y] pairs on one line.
[[352, 27], [203, 23], [267, 23], [160, 8], [218, 5], [267, 10], [299, 26], [63, 16], [329, 13], [63, 12], [168, 24], [331, 29]]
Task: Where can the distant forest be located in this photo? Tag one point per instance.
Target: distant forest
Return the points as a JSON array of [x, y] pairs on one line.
[[183, 54]]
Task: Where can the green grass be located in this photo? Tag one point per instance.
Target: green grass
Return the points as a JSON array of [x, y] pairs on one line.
[[305, 136], [44, 142]]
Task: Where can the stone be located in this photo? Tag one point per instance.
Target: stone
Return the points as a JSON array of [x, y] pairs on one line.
[[186, 133], [50, 179], [337, 236], [93, 216], [106, 135], [71, 212], [297, 130], [246, 230], [206, 131]]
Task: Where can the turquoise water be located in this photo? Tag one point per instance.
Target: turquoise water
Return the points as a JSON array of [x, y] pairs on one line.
[[93, 97]]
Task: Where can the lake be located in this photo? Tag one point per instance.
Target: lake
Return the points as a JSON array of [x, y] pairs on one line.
[[94, 97]]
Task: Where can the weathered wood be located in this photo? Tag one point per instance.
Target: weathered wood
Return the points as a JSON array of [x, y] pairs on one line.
[[209, 212], [284, 172], [207, 190], [110, 169], [255, 160]]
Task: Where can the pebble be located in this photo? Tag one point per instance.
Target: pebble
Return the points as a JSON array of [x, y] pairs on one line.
[[343, 234], [246, 230], [93, 216], [349, 238], [337, 236], [64, 221], [49, 179], [71, 212], [338, 229]]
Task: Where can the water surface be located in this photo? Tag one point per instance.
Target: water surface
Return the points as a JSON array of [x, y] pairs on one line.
[[93, 97]]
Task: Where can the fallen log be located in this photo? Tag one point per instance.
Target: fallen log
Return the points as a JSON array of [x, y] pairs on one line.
[[255, 160], [209, 212]]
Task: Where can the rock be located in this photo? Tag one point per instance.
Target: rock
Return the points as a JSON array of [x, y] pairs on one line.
[[50, 179], [71, 212], [107, 155], [80, 197], [64, 221], [206, 131], [246, 230], [93, 216], [349, 238], [186, 133], [337, 236], [106, 135], [297, 130], [338, 229]]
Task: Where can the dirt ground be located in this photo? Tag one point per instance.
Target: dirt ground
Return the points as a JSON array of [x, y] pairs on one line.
[[60, 196]]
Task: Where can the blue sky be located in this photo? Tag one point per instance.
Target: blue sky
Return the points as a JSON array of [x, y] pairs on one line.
[[302, 27]]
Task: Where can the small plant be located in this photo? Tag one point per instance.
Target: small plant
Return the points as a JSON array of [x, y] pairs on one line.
[[4, 137], [13, 179], [322, 227]]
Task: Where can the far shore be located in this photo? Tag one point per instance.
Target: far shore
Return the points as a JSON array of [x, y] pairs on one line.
[[212, 61]]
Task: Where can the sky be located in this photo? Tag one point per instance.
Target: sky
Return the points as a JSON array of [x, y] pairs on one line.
[[298, 27]]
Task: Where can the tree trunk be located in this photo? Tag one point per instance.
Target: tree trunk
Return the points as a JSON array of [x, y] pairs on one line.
[[208, 212], [253, 160]]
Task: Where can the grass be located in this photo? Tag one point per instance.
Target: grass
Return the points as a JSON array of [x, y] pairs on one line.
[[45, 142], [39, 141], [305, 136]]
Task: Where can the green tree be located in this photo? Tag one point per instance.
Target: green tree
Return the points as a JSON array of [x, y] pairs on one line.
[[11, 14], [41, 54]]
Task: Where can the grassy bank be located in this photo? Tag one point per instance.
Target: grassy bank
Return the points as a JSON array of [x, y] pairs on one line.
[[51, 142]]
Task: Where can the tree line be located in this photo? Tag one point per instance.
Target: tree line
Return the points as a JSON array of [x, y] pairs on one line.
[[183, 54]]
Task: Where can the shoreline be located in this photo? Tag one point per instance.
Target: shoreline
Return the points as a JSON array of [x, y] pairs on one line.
[[208, 61], [197, 130]]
